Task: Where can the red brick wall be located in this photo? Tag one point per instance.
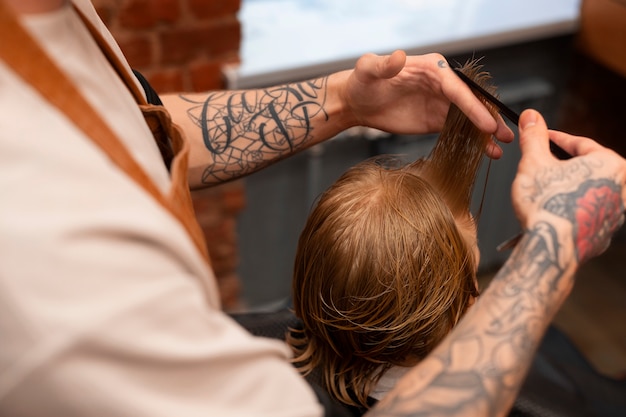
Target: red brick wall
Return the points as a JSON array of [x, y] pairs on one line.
[[217, 209], [181, 45]]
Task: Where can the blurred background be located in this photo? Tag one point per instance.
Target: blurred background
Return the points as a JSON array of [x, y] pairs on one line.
[[566, 58], [525, 45]]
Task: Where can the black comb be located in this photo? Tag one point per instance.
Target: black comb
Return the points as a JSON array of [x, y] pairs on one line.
[[506, 111]]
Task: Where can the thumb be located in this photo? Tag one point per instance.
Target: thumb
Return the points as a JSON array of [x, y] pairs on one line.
[[534, 139], [371, 66]]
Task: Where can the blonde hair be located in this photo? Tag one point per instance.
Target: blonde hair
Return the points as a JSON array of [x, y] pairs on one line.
[[382, 272]]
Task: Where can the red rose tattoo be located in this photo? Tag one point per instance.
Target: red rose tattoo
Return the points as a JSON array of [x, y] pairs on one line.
[[596, 212]]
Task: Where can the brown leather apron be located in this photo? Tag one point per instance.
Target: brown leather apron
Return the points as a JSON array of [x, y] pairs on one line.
[[24, 55]]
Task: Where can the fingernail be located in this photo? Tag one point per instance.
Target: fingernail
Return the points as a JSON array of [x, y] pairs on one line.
[[530, 119]]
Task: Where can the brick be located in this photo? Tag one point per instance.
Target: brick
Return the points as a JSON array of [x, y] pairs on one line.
[[206, 76], [166, 11], [146, 14], [221, 264], [136, 15], [221, 238], [228, 231], [203, 9], [137, 49], [178, 46], [166, 81], [230, 291], [223, 38], [234, 200], [182, 45], [208, 211], [205, 203], [204, 199], [223, 254], [209, 218]]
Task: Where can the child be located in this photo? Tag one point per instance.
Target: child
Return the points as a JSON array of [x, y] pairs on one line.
[[386, 264]]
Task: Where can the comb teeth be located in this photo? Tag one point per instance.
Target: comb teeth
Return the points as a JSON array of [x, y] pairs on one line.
[[483, 93], [506, 111]]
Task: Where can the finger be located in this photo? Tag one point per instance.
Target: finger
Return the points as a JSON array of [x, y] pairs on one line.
[[503, 131], [493, 151], [393, 64], [574, 145], [534, 141], [372, 66], [464, 98]]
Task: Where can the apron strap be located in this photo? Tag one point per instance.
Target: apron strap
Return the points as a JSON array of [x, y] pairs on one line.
[[163, 142], [113, 58], [27, 59]]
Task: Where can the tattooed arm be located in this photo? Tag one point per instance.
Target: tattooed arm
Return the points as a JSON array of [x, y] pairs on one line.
[[569, 209], [234, 133]]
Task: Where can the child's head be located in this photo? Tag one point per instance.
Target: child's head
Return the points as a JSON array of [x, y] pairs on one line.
[[386, 263]]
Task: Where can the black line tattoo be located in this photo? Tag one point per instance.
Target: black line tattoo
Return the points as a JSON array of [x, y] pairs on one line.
[[574, 171], [246, 130]]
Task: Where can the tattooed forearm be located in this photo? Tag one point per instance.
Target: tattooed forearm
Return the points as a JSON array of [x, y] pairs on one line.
[[575, 171], [481, 365], [246, 130]]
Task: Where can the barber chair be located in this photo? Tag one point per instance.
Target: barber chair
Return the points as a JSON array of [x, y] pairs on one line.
[[560, 383]]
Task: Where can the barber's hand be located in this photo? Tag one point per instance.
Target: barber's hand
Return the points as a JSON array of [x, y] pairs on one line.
[[584, 195], [403, 94]]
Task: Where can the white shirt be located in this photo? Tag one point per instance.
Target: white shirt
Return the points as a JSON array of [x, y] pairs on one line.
[[106, 307]]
